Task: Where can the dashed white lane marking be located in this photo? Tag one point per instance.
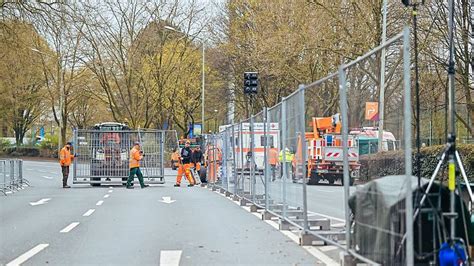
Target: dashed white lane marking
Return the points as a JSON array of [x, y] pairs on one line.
[[106, 196], [110, 191], [48, 177], [170, 257], [68, 228], [40, 202], [27, 255], [111, 187], [99, 202], [89, 212]]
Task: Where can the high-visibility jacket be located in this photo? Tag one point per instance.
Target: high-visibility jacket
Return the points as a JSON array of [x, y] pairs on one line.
[[135, 158], [288, 156], [273, 156], [65, 157]]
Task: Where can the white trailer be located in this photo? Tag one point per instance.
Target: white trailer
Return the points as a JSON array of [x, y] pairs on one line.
[[243, 138]]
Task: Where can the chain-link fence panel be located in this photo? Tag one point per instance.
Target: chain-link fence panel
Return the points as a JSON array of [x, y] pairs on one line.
[[11, 176], [381, 217], [274, 136], [102, 156], [4, 186], [258, 152], [292, 156]]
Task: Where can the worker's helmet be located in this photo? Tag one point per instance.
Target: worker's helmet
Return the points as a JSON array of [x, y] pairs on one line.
[[136, 143]]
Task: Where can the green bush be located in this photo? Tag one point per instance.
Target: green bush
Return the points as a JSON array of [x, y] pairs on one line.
[[393, 163], [4, 144], [50, 142]]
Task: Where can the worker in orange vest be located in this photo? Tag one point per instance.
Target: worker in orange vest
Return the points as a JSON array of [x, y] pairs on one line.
[[185, 165], [136, 155], [65, 159], [273, 161]]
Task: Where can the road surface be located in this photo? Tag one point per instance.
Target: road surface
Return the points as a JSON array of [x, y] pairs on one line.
[[46, 224]]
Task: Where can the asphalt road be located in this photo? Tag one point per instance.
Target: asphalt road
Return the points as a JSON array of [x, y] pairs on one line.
[[116, 226], [323, 200]]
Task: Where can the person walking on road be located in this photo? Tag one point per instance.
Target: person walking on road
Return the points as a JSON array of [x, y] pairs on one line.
[[65, 159], [136, 155], [185, 165]]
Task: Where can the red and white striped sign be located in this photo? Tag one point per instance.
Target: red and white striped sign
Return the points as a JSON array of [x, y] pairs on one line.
[[333, 154]]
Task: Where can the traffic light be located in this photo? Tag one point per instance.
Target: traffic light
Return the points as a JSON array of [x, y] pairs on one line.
[[250, 82], [413, 2]]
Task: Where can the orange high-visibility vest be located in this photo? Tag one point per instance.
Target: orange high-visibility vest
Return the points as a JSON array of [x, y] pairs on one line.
[[65, 157], [135, 158], [273, 156]]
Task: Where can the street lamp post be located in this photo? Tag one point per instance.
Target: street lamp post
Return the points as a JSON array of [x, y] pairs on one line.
[[203, 74], [203, 86]]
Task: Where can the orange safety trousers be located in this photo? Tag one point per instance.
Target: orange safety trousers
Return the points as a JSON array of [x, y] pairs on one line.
[[184, 169]]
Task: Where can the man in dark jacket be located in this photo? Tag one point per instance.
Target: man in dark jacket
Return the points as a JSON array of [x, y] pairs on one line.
[[185, 165], [197, 158]]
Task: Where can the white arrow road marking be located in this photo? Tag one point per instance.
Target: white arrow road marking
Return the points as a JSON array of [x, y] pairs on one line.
[[106, 196], [39, 202], [47, 177], [99, 202], [170, 257], [68, 228], [89, 212], [27, 255], [167, 200]]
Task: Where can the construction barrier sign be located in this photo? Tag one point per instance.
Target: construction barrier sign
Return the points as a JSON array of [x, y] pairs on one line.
[[372, 111]]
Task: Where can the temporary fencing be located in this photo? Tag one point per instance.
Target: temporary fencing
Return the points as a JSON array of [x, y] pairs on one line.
[[313, 137], [102, 156], [11, 174]]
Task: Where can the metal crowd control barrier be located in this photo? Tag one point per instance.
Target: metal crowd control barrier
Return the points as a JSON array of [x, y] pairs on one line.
[[267, 159], [102, 157], [11, 174]]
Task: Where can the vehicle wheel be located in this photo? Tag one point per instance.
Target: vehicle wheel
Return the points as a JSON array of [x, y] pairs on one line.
[[331, 180], [95, 184], [313, 179]]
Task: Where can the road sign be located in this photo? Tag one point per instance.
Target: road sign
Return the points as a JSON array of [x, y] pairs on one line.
[[372, 111]]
